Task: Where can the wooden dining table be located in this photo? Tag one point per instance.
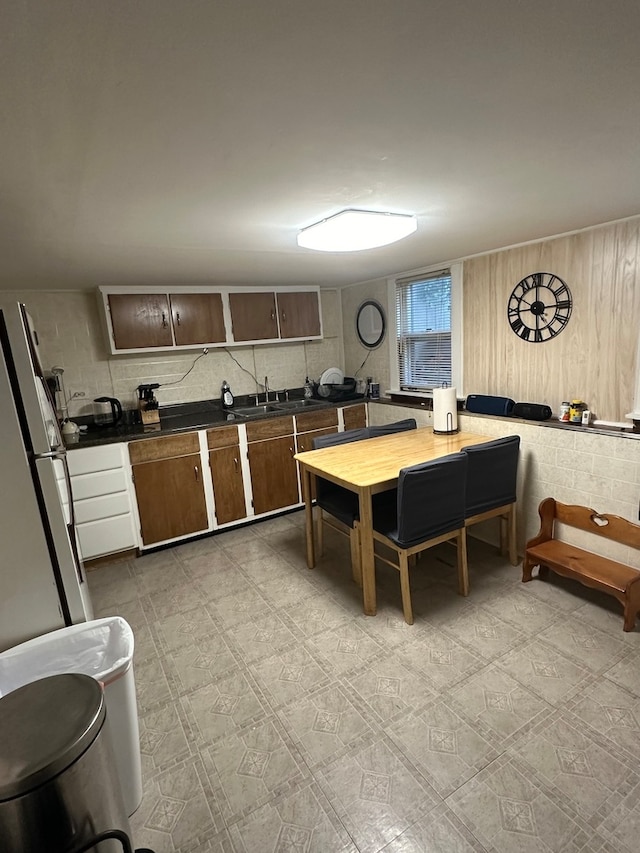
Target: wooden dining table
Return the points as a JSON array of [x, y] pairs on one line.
[[368, 467]]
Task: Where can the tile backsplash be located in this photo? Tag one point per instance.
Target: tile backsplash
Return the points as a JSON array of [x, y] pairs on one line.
[[72, 336]]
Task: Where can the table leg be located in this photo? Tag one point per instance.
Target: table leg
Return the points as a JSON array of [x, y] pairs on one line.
[[308, 515], [366, 553], [511, 533]]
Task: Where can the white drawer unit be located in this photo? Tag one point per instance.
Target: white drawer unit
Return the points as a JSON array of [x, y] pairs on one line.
[[102, 500], [93, 485], [88, 460]]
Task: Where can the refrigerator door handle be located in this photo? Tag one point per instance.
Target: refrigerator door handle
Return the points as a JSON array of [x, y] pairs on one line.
[[57, 453], [67, 478], [72, 517], [71, 524]]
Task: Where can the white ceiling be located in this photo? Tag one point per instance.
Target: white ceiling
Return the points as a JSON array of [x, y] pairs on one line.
[[187, 141]]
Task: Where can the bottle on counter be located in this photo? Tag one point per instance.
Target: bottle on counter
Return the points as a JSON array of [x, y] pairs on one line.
[[225, 395], [575, 414], [308, 389], [565, 410]]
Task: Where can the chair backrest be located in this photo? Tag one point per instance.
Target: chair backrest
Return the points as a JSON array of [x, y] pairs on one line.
[[390, 429], [431, 499], [492, 474], [334, 438], [328, 494]]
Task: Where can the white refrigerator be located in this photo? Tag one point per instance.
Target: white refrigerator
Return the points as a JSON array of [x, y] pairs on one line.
[[42, 580]]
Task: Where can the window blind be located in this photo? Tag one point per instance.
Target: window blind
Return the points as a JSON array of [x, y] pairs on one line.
[[423, 317]]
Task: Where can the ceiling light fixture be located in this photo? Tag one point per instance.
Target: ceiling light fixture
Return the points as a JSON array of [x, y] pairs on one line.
[[354, 230]]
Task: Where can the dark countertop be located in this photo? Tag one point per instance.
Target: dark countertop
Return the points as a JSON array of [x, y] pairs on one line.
[[209, 414], [184, 417], [551, 423], [95, 436]]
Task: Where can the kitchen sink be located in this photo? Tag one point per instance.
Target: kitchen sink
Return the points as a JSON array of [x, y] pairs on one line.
[[299, 404], [256, 411]]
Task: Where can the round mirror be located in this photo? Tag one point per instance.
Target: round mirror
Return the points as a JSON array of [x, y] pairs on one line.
[[370, 324]]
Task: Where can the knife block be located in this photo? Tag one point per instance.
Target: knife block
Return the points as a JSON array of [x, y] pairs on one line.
[[149, 412]]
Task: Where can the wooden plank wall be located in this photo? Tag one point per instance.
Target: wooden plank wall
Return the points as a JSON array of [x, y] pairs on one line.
[[593, 358]]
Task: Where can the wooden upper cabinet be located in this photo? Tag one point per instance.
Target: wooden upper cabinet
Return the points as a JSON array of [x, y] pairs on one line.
[[253, 316], [299, 314], [140, 320], [216, 316], [259, 316], [197, 318]]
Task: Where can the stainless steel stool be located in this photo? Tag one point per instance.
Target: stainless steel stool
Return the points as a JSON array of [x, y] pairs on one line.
[[59, 790]]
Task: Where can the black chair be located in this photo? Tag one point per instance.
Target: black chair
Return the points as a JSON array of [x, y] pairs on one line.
[[338, 507], [491, 488], [390, 429], [429, 509]]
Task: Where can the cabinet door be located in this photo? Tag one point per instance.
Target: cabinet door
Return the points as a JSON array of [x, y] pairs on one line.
[[354, 417], [253, 316], [197, 318], [305, 439], [171, 499], [274, 477], [140, 320], [228, 484], [304, 442], [299, 315], [308, 421]]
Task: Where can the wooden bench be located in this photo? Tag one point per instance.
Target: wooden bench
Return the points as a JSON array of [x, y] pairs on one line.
[[592, 570]]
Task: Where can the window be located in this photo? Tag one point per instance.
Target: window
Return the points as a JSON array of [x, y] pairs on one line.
[[424, 331]]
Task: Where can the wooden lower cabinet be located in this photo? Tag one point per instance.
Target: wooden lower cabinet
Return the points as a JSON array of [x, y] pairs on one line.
[[226, 474], [304, 442], [228, 484], [305, 439], [168, 476], [354, 417], [274, 477], [171, 499]]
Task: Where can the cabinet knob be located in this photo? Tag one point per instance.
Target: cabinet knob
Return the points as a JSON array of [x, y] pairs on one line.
[[235, 462], [178, 317], [273, 314], [164, 320], [284, 315], [196, 471]]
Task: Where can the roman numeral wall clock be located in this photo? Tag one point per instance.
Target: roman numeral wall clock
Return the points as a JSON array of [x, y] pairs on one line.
[[539, 307]]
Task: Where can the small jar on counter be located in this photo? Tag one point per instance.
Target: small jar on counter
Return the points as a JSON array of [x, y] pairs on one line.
[[565, 409], [575, 414]]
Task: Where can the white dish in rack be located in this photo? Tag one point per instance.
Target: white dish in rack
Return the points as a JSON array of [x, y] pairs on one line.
[[332, 376]]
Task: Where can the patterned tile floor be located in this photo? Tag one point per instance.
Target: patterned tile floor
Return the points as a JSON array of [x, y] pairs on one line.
[[276, 718]]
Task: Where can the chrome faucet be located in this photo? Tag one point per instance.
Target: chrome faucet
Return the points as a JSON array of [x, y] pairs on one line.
[[267, 391]]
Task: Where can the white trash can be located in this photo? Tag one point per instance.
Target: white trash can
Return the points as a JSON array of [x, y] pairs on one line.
[[102, 648]]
